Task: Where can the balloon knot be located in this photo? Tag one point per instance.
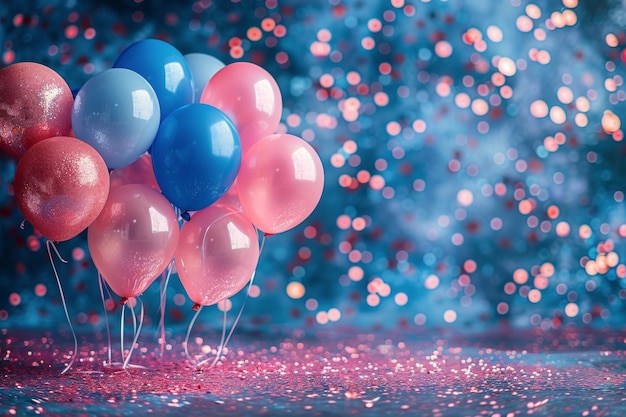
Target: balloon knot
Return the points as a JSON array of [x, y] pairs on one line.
[[185, 216], [268, 234], [195, 307], [123, 301]]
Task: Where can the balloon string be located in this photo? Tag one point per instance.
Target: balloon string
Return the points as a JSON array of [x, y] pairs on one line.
[[191, 323], [106, 315], [137, 330], [165, 279], [51, 246], [224, 342], [220, 346], [122, 332]]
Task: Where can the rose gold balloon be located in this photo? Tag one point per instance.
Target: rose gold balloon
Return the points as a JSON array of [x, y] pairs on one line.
[[35, 104], [61, 184]]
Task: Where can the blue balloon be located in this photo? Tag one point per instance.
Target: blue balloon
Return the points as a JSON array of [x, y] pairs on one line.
[[196, 156], [203, 67], [166, 70], [117, 112]]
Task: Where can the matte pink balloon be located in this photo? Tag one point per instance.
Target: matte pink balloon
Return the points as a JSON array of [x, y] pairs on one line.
[[61, 185], [133, 239], [217, 254], [250, 97], [139, 172], [280, 182], [35, 104]]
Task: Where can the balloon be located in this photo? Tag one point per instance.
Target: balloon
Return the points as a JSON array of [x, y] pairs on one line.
[[139, 172], [117, 112], [230, 198], [196, 156], [133, 239], [61, 185], [217, 254], [165, 69], [203, 67], [280, 182], [249, 96], [35, 104]]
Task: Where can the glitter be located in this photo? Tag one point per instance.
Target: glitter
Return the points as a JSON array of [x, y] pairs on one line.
[[506, 66], [557, 115], [465, 198], [295, 290], [534, 296], [15, 299], [480, 107], [40, 290], [611, 123], [449, 316], [443, 49], [524, 24]]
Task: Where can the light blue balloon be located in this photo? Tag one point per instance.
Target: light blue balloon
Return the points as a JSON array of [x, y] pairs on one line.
[[117, 112], [203, 67], [164, 67]]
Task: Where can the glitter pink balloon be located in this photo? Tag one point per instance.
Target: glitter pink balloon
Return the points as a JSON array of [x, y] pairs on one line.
[[280, 182], [133, 239], [217, 254], [249, 96], [139, 172], [35, 104], [61, 184]]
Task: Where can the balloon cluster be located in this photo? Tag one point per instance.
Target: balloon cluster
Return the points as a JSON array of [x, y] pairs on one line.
[[158, 140]]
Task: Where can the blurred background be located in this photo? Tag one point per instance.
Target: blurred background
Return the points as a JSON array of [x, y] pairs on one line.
[[473, 155]]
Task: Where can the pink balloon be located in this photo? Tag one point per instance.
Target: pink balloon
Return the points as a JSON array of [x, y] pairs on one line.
[[217, 254], [35, 104], [230, 198], [250, 97], [280, 182], [133, 239], [61, 185], [139, 172]]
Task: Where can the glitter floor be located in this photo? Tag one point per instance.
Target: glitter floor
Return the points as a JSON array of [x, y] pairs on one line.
[[540, 373]]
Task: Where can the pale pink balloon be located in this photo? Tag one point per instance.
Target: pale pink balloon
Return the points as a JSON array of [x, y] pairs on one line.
[[250, 97], [280, 182], [217, 254], [133, 239], [139, 172]]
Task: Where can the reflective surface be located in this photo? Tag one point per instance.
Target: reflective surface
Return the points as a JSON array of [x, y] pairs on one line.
[[117, 112], [280, 182], [338, 373], [164, 67], [133, 239], [196, 156], [35, 104], [249, 95], [217, 254]]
